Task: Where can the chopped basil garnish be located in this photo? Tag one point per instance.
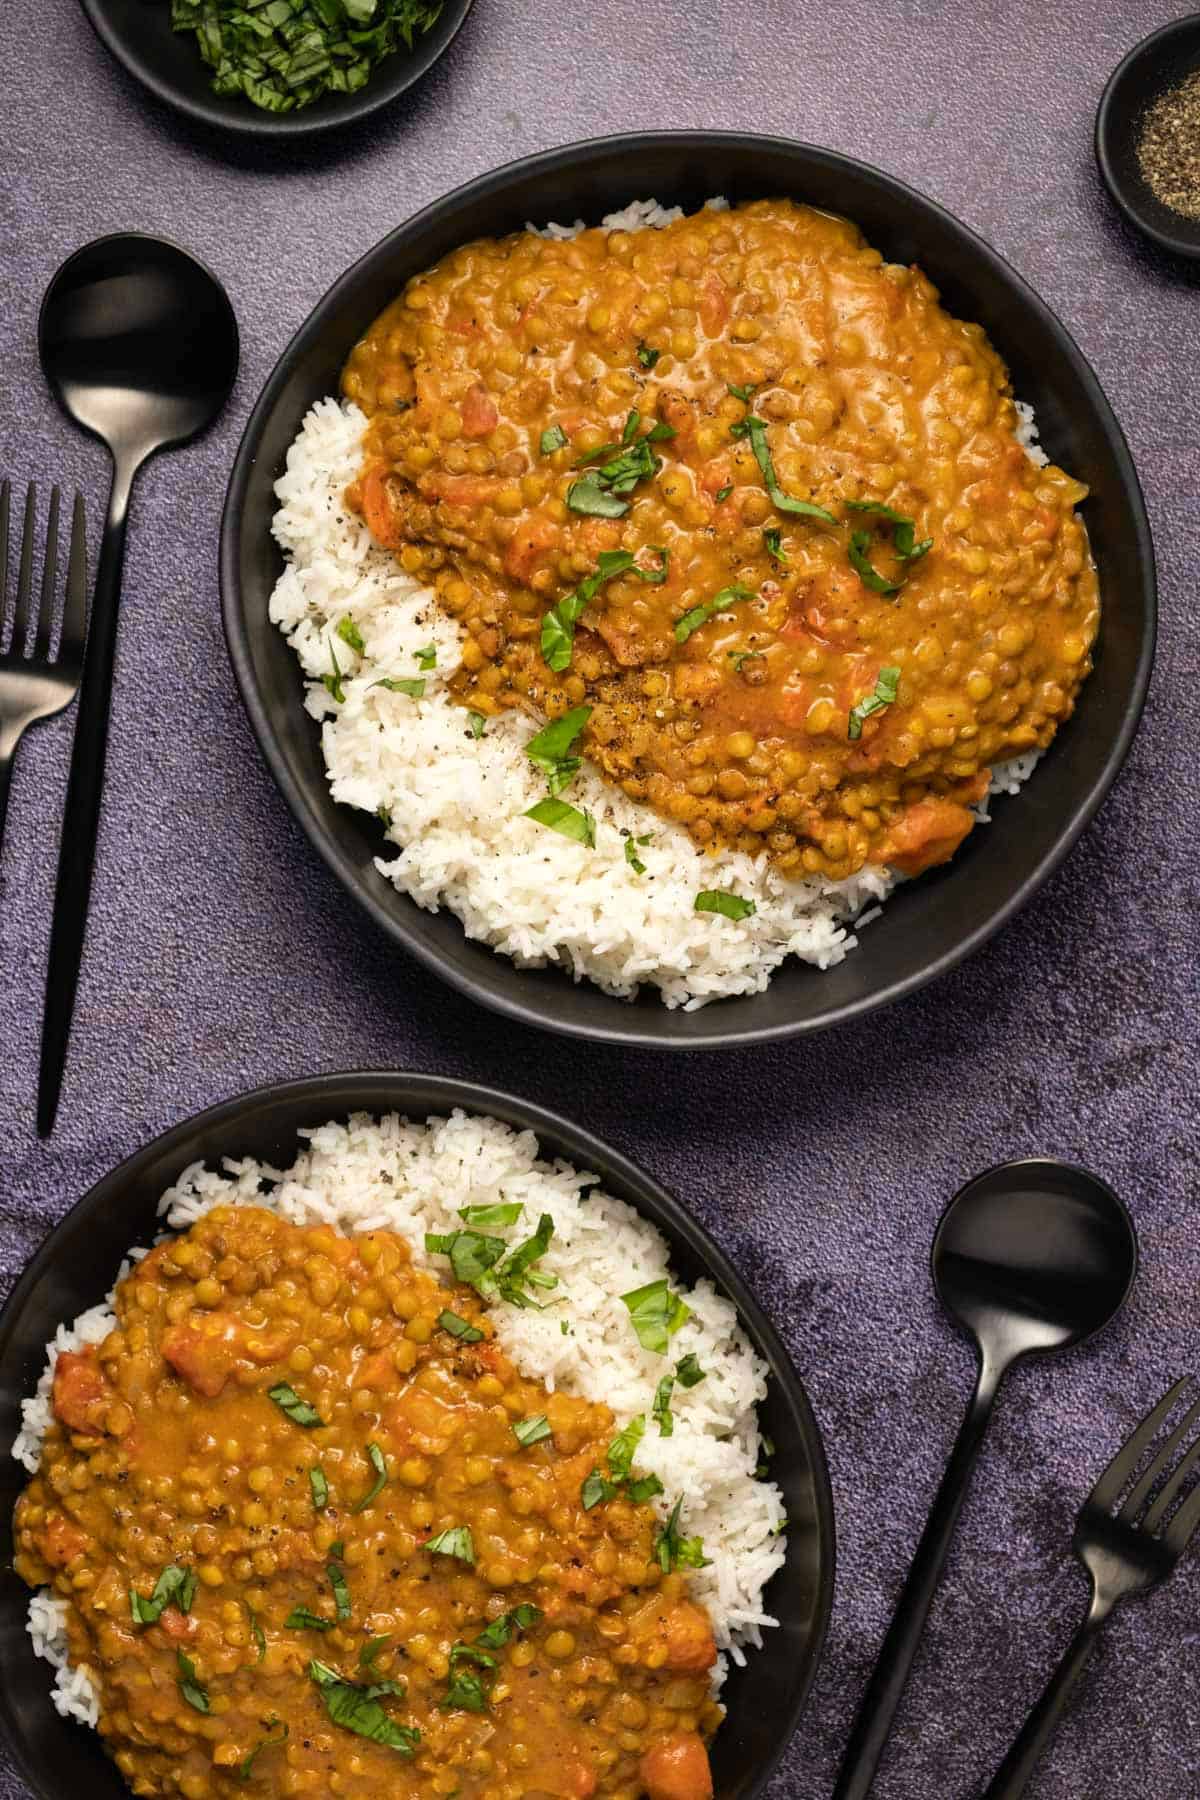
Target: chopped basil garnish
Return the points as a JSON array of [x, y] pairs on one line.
[[632, 845], [708, 609], [597, 1488], [904, 531], [472, 1653], [740, 657], [558, 625], [503, 1212], [621, 1451], [675, 1552], [303, 1618], [481, 1262], [333, 681], [550, 749], [357, 1709], [349, 633], [268, 1743], [657, 1314], [176, 1586], [718, 900], [376, 1459], [552, 439], [619, 1456], [320, 1488], [457, 1541], [661, 1409], [588, 496], [645, 1488], [646, 356], [427, 657], [773, 541], [478, 723], [688, 1372], [341, 1593], [470, 1692], [256, 1631], [372, 1650], [744, 394], [459, 1327], [521, 1618], [298, 1411], [600, 492], [531, 1431], [756, 430], [884, 694], [193, 1691], [466, 1693], [338, 1548], [723, 493], [413, 686], [567, 820]]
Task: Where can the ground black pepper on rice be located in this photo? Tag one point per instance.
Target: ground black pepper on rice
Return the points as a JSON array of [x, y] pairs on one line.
[[1169, 147]]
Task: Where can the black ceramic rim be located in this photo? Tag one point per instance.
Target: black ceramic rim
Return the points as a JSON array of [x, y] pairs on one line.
[[535, 1010], [214, 1132], [387, 82], [1125, 194]]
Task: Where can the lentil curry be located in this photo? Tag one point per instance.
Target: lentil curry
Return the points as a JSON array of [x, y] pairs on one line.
[[318, 1537], [750, 506]]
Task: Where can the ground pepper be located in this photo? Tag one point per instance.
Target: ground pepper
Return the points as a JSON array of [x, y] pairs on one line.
[[1169, 147]]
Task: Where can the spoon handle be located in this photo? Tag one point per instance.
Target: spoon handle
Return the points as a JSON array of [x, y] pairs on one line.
[[81, 813], [878, 1706]]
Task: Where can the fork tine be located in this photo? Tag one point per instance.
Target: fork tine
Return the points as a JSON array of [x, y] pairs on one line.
[[45, 618], [74, 625], [1170, 1493], [1158, 1467], [20, 627], [1182, 1529], [1130, 1454], [5, 493]]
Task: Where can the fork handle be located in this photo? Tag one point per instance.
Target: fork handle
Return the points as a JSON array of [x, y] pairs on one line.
[[8, 749], [81, 813], [1012, 1777]]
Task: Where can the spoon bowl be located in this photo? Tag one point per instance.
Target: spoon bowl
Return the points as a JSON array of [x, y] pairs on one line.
[[1033, 1256], [140, 347]]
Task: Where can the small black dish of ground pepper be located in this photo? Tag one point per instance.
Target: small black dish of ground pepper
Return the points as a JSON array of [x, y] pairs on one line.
[[1148, 137]]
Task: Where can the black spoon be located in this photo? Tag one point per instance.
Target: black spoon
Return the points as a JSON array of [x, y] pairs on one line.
[[140, 346], [1031, 1256]]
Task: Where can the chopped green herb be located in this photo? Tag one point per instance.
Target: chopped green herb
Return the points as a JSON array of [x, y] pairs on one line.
[[718, 900], [645, 1488], [552, 439], [298, 1411], [531, 1431], [675, 1552], [657, 1314], [521, 1618], [631, 852], [601, 490], [457, 1541], [708, 609], [756, 430], [320, 1487], [688, 1372], [466, 1693], [884, 694], [567, 820], [303, 1618], [473, 1653], [372, 1650], [427, 657], [176, 1586], [661, 1409], [597, 1487], [478, 724], [349, 633], [903, 535], [459, 1327], [338, 1547], [474, 1258], [333, 681], [740, 657], [646, 356], [268, 1743], [376, 1459], [357, 1709], [193, 1690], [773, 540], [723, 493], [550, 749], [621, 1451], [558, 625], [412, 685], [257, 1633], [341, 1593], [589, 495], [518, 1268], [744, 394]]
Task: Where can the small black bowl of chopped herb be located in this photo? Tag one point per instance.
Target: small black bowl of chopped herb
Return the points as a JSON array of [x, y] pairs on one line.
[[1148, 137], [277, 68]]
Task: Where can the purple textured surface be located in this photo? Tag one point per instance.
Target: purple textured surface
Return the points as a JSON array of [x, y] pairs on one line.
[[221, 954]]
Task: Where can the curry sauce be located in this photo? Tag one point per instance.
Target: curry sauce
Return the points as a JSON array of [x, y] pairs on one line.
[[751, 495], [307, 1552]]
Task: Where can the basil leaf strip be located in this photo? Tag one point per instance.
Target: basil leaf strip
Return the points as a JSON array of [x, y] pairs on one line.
[[302, 1618], [673, 1551], [730, 906], [632, 845], [646, 356], [688, 1372], [884, 694], [552, 439], [413, 686], [645, 1488], [427, 657], [549, 750], [596, 1488], [905, 528], [268, 1743], [460, 1328], [504, 1212], [376, 1459], [457, 1541], [590, 497], [531, 1431], [320, 1488], [298, 1411], [478, 724], [708, 609], [521, 1618], [372, 1649], [357, 1709], [349, 633], [568, 821], [621, 1451], [657, 1314], [723, 493], [558, 625], [193, 1691], [756, 430], [333, 681], [773, 541], [472, 1256], [257, 1633], [661, 1409], [341, 1593], [176, 1586], [465, 1693]]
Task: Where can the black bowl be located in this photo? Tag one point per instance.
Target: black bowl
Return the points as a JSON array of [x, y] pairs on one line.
[[139, 35], [928, 925], [78, 1262], [1160, 61]]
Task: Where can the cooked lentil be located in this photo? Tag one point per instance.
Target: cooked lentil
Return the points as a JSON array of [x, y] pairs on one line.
[[867, 391], [169, 1452]]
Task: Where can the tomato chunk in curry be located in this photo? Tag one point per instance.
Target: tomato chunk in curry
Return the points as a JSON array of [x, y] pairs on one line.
[[241, 1497], [828, 687]]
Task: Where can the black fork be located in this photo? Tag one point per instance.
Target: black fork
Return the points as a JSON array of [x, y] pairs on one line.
[[39, 668], [1126, 1550]]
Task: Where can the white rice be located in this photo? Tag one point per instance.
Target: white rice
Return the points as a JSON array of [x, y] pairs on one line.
[[411, 1178], [454, 806]]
